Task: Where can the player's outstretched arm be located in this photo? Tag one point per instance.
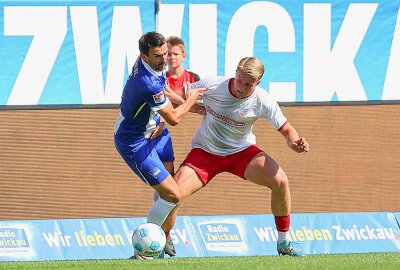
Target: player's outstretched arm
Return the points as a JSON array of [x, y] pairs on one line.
[[178, 98], [293, 139], [174, 115], [173, 97]]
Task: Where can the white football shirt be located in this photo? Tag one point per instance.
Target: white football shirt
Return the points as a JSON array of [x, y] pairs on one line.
[[227, 128]]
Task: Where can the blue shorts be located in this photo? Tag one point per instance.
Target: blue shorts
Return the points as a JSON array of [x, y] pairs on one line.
[[146, 157]]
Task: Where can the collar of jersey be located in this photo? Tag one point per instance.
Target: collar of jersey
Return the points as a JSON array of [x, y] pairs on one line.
[[152, 71]]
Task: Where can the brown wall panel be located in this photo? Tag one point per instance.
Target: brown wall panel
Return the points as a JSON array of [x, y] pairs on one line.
[[62, 164]]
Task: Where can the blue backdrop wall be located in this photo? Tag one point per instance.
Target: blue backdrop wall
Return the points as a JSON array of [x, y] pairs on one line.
[[80, 52]]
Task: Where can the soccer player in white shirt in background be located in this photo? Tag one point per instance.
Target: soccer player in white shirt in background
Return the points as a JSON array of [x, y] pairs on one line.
[[224, 142]]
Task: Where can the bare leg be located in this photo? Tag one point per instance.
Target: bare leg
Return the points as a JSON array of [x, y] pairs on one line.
[[264, 170], [188, 183]]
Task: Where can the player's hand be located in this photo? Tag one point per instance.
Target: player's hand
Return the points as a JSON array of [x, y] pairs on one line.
[[197, 108], [301, 145], [175, 96], [198, 92], [158, 130]]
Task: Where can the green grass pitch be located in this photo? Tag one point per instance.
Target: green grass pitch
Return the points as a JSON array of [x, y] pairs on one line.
[[374, 261]]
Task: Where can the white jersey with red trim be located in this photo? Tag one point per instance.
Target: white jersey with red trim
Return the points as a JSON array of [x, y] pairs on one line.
[[227, 128]]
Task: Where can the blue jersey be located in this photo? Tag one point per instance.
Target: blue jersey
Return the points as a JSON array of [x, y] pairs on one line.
[[142, 97]]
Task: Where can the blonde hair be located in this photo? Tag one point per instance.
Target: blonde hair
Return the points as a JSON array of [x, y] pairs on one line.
[[252, 67], [176, 41]]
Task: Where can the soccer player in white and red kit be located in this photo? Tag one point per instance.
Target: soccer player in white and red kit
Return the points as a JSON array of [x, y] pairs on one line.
[[225, 142]]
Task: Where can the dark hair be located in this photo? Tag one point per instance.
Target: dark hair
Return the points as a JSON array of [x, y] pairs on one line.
[[150, 39]]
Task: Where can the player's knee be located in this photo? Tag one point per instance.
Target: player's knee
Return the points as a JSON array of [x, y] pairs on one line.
[[174, 196], [281, 182]]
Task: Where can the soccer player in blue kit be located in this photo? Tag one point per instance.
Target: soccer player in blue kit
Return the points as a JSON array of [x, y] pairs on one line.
[[139, 133]]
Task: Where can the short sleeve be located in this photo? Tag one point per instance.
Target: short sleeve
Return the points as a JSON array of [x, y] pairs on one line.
[[154, 95], [271, 110]]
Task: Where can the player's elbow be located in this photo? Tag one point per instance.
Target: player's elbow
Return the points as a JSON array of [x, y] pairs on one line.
[[173, 117], [172, 121]]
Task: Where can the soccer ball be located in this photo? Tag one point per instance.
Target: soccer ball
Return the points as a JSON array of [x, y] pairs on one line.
[[148, 240]]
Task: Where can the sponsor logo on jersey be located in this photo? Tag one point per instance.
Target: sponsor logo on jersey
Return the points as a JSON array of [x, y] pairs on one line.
[[224, 118], [155, 172], [159, 97]]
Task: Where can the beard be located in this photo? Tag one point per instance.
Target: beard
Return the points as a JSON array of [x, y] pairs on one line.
[[160, 67]]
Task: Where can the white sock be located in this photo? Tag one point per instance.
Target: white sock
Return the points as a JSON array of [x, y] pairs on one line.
[[282, 236], [155, 195], [160, 211]]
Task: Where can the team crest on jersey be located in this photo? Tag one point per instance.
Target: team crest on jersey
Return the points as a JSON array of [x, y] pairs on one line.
[[159, 97], [155, 172]]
